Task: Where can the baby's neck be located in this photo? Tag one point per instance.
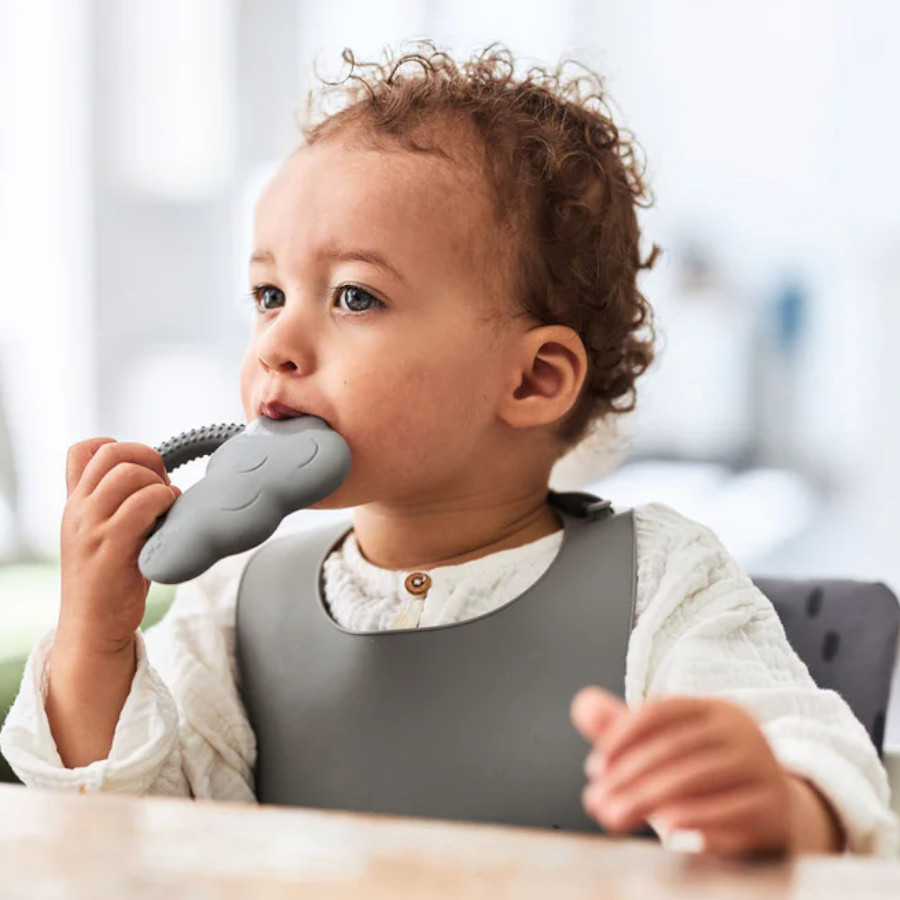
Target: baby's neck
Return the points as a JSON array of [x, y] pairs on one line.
[[433, 534]]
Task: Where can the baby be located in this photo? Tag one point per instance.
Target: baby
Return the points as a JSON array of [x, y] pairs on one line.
[[445, 272]]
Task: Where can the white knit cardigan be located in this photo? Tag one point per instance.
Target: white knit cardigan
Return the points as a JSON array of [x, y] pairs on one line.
[[701, 628]]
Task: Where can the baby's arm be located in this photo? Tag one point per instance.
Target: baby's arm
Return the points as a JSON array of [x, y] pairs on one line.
[[92, 712], [80, 678], [705, 631], [143, 745], [115, 492], [181, 731]]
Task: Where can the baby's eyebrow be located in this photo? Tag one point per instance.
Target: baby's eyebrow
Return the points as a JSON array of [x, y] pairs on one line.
[[341, 254], [347, 254]]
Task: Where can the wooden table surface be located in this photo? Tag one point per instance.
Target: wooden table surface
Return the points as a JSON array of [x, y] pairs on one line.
[[99, 846]]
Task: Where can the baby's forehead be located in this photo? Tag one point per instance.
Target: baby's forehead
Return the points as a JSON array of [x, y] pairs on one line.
[[391, 176], [378, 187]]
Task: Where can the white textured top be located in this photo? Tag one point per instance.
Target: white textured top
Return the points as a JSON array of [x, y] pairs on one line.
[[702, 627]]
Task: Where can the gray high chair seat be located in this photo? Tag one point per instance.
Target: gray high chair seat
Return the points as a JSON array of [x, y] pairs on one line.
[[846, 633]]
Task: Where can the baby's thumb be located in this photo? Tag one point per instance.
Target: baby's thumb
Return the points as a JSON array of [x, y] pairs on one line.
[[593, 710]]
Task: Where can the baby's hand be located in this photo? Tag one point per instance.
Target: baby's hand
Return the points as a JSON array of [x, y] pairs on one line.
[[116, 491], [696, 763]]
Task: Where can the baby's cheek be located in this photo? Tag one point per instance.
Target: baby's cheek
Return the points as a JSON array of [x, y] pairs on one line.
[[387, 430], [246, 388], [396, 434], [420, 406]]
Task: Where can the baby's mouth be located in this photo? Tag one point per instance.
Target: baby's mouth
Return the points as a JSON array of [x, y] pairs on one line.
[[274, 409]]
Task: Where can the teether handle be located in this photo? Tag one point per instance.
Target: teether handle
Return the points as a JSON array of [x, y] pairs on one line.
[[191, 445]]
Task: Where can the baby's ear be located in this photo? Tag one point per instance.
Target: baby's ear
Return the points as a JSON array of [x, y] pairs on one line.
[[550, 369]]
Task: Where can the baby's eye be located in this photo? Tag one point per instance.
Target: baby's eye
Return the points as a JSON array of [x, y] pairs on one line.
[[267, 297], [357, 300]]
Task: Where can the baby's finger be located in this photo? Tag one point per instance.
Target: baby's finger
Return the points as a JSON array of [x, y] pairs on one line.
[[78, 457], [652, 718], [120, 483], [731, 823], [593, 710], [650, 755], [592, 801], [112, 454], [700, 774], [138, 514], [730, 842], [738, 809]]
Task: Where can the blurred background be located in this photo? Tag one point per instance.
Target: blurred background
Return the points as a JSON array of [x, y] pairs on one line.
[[136, 134]]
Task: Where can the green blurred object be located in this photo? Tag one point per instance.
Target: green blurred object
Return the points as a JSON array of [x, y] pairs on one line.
[[29, 603]]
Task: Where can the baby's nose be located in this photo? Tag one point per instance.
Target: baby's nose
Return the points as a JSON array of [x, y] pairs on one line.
[[287, 347], [285, 366]]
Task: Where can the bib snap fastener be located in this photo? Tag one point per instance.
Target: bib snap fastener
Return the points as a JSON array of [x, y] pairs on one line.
[[417, 583]]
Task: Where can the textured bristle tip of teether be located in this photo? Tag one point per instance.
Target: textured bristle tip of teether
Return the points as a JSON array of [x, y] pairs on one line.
[[256, 476], [197, 442]]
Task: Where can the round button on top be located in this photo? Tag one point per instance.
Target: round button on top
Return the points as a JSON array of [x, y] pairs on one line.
[[417, 583]]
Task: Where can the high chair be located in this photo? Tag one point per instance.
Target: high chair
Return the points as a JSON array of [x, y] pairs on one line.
[[846, 633]]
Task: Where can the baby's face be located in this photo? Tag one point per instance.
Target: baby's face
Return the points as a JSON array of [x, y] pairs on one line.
[[375, 313]]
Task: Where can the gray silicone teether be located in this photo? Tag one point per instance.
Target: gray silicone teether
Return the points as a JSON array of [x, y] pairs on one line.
[[256, 477]]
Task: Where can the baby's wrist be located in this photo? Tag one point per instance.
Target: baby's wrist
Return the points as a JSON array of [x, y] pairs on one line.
[[815, 824]]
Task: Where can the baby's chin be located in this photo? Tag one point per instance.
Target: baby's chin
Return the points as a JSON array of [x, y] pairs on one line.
[[329, 503], [357, 490], [345, 497]]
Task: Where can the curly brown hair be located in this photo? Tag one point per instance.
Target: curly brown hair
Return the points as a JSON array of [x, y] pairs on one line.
[[564, 182]]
